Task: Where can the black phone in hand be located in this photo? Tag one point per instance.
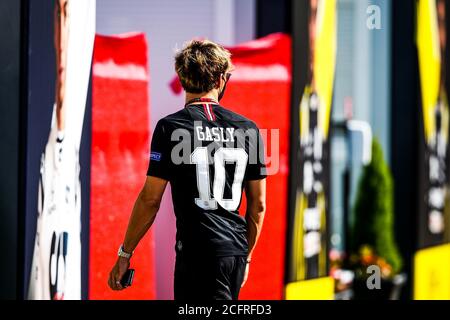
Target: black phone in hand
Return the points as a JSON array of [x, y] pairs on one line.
[[127, 278]]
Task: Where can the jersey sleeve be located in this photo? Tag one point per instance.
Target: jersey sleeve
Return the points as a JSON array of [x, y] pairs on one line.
[[160, 163], [256, 169]]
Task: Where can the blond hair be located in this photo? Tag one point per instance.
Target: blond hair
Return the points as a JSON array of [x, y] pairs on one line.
[[200, 64]]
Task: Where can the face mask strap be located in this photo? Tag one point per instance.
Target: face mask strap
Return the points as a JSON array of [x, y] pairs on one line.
[[222, 93]]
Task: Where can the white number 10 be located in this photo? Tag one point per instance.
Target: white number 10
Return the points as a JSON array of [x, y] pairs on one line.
[[200, 158]]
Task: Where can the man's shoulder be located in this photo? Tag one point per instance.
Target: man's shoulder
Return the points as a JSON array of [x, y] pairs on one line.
[[173, 118], [236, 117]]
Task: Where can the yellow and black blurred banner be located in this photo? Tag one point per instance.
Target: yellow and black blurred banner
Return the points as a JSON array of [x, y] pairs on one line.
[[432, 261], [307, 270]]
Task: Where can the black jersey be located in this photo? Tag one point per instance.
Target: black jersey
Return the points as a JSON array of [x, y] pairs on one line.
[[207, 153]]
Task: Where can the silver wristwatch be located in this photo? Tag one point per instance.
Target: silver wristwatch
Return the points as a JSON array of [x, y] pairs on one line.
[[124, 254]]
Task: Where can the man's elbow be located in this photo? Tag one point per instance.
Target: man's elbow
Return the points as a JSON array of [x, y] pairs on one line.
[[256, 213], [150, 202], [259, 206], [262, 207]]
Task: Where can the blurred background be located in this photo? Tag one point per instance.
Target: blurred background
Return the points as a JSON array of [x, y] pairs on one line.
[[353, 94]]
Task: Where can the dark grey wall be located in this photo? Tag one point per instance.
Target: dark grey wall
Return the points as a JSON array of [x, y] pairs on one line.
[[41, 90], [273, 16], [405, 128], [10, 19]]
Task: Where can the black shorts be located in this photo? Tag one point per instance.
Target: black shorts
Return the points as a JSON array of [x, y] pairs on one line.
[[205, 279]]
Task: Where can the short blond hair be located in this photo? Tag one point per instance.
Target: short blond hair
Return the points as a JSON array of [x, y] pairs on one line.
[[200, 64]]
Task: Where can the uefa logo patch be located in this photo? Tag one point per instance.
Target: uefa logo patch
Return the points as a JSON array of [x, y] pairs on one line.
[[155, 156]]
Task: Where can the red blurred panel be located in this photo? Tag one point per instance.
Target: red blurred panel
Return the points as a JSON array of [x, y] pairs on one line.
[[120, 148], [260, 89]]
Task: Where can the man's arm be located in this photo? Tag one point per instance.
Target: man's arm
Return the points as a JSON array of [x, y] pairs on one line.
[[256, 209], [144, 212], [142, 217]]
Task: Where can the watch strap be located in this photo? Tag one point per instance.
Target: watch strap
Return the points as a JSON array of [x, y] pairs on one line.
[[122, 253]]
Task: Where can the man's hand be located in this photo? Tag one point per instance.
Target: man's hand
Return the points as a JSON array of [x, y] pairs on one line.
[[247, 269], [117, 272]]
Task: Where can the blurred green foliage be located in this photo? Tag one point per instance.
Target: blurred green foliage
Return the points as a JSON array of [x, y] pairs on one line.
[[374, 211]]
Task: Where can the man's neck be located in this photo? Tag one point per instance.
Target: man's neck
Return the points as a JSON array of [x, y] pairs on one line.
[[207, 95]]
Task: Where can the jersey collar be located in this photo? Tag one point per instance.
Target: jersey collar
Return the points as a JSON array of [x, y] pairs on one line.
[[204, 100]]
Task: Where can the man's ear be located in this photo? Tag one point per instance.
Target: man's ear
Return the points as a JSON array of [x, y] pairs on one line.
[[218, 83]]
